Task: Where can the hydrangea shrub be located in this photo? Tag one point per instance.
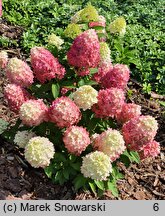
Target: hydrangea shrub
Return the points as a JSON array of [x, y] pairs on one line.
[[74, 120]]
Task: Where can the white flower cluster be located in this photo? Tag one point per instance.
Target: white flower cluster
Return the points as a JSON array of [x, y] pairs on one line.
[[96, 165], [110, 142], [85, 97], [39, 151]]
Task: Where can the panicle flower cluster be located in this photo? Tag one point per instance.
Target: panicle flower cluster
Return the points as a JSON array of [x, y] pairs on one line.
[[96, 165], [15, 96], [89, 14], [39, 151], [84, 51], [105, 52], [45, 65], [105, 64], [72, 30], [139, 131], [151, 149], [76, 17], [129, 111], [117, 77], [19, 72], [85, 96], [103, 69], [118, 26], [55, 40], [64, 112], [111, 143], [3, 59], [22, 138], [110, 102], [33, 112], [76, 139]]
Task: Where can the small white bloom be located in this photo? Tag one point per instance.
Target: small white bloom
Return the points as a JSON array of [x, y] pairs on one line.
[[55, 40], [23, 137]]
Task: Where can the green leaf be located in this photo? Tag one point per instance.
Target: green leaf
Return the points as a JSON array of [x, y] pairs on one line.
[[79, 181], [59, 157], [125, 160], [76, 166], [135, 156], [90, 82], [100, 35], [100, 192], [162, 103], [93, 70], [112, 187], [98, 28], [48, 171], [10, 133], [100, 184], [66, 173], [68, 84], [55, 90], [72, 158], [72, 172], [116, 174], [3, 125], [59, 177], [81, 82], [118, 46], [92, 187]]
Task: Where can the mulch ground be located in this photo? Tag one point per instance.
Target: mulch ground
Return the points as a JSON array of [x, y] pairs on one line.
[[18, 180]]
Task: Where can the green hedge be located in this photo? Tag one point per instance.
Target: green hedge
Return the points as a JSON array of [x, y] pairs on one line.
[[142, 48]]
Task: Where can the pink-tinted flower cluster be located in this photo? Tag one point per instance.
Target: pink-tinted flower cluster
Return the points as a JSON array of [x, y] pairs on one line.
[[105, 64], [45, 65], [129, 111], [82, 71], [19, 72], [139, 131], [117, 78], [3, 59], [15, 96], [151, 149], [110, 102], [110, 142], [103, 69], [64, 112], [33, 112], [95, 24], [76, 139], [84, 52], [64, 90]]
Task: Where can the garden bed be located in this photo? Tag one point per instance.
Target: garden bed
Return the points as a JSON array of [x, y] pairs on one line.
[[18, 180]]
